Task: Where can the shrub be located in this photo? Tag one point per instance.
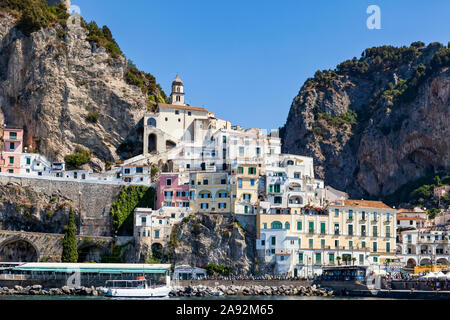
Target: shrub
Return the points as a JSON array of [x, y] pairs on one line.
[[49, 214], [103, 38], [79, 158], [92, 117]]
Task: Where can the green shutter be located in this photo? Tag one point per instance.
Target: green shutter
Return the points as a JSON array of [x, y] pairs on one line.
[[299, 225], [300, 258], [322, 227]]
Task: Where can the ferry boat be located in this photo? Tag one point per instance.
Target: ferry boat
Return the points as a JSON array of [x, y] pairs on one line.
[[139, 288]]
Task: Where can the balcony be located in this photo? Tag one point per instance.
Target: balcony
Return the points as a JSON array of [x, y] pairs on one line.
[[387, 222], [374, 221]]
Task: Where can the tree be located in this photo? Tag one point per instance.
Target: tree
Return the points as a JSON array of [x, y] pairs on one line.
[[338, 260], [70, 251]]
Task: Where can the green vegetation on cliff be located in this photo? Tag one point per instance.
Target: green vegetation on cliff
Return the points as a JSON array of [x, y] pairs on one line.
[[147, 83], [103, 37], [215, 269], [35, 14], [79, 158], [122, 209], [421, 193], [70, 251]]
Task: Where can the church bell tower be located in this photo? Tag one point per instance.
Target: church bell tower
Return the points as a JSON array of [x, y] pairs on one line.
[[177, 95]]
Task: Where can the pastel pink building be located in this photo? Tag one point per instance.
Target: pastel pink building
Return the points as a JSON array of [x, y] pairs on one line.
[[170, 193], [12, 148]]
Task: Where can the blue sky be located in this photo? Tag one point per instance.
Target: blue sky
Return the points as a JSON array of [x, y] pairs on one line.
[[246, 60]]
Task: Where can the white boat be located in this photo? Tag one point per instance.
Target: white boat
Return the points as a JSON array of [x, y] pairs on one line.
[[135, 289]]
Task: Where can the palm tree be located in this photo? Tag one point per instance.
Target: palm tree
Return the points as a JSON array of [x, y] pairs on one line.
[[353, 260], [338, 258]]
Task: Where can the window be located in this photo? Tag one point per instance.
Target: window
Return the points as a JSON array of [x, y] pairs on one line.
[[12, 145], [13, 135], [265, 225], [350, 244], [222, 205], [388, 217], [388, 247], [258, 151], [311, 227], [311, 243], [318, 258], [127, 171], [299, 242], [363, 244], [166, 119], [375, 259], [374, 247], [374, 231], [263, 242], [11, 160], [410, 222], [205, 181], [274, 240], [336, 212], [240, 170], [252, 182], [139, 170], [251, 170], [276, 225], [281, 258], [363, 231], [189, 113], [277, 200], [388, 231], [247, 196], [177, 112], [322, 227], [204, 205], [287, 226], [374, 216], [336, 228], [299, 225], [277, 188], [241, 151], [213, 153], [322, 243], [239, 183], [156, 234], [160, 221], [350, 229], [223, 181], [224, 139], [168, 182], [331, 258], [296, 175], [28, 160], [300, 258], [363, 215], [350, 214], [361, 259], [336, 243]]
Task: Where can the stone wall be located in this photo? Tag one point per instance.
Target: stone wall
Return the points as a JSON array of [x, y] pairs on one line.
[[92, 200]]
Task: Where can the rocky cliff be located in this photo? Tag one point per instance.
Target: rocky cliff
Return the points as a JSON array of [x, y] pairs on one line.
[[66, 91], [375, 123], [216, 239]]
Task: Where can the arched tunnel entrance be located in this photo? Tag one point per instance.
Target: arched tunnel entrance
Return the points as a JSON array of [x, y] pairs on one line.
[[18, 250]]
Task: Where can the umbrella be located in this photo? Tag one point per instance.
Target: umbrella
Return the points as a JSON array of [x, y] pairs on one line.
[[430, 275], [448, 275], [440, 274]]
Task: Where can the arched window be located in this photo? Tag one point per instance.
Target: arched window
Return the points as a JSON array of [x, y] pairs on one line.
[[290, 162], [287, 226], [276, 225], [151, 122]]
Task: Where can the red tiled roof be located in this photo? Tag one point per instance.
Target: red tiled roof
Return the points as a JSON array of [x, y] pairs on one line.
[[362, 204], [173, 106]]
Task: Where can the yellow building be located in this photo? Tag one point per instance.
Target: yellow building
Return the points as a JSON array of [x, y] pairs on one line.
[[347, 232], [209, 192], [245, 181]]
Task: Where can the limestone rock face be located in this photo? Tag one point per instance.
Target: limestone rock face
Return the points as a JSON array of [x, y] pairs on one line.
[[392, 143], [49, 84], [216, 239]]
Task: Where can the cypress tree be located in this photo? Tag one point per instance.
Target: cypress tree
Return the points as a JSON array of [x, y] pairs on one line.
[[70, 252]]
